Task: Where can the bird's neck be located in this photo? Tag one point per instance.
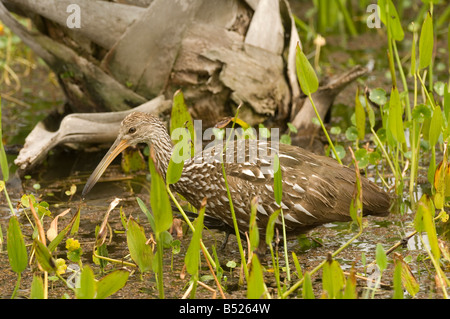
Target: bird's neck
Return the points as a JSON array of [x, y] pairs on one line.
[[161, 151]]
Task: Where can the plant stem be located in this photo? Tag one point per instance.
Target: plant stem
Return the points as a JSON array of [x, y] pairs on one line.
[[288, 272], [414, 148], [9, 201], [190, 226], [378, 142], [159, 276], [442, 278], [324, 129], [233, 214], [60, 278], [236, 227], [16, 287], [275, 269], [214, 275], [124, 263], [426, 91], [402, 76]]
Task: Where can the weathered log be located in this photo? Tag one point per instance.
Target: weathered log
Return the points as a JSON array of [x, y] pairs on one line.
[[103, 29], [79, 128], [86, 85]]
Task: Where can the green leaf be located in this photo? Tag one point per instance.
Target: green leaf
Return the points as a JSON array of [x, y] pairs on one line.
[[180, 153], [75, 255], [286, 139], [374, 158], [3, 160], [439, 87], [37, 288], [270, 226], [25, 200], [256, 287], [277, 180], [436, 127], [176, 246], [55, 242], [350, 286], [159, 201], [292, 128], [132, 160], [362, 157], [123, 218], [447, 109], [378, 96], [76, 223], [340, 150], [395, 120], [181, 118], [111, 283], [333, 279], [103, 252], [17, 252], [140, 252], [307, 290], [351, 133], [421, 113], [88, 284], [231, 264], [193, 253], [394, 22], [44, 257], [430, 228], [165, 238], [147, 213], [297, 265], [253, 231], [423, 205], [426, 42], [380, 257], [305, 73], [335, 130], [398, 289], [407, 277]]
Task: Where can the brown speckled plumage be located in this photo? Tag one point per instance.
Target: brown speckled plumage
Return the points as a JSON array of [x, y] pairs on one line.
[[316, 189]]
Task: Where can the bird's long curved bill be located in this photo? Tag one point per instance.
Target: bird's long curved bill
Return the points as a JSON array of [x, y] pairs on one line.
[[116, 149]]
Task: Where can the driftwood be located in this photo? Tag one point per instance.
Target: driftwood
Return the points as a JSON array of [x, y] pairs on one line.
[[79, 128], [220, 53]]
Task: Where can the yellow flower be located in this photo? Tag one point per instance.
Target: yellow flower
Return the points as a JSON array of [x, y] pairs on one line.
[[60, 266], [72, 244]]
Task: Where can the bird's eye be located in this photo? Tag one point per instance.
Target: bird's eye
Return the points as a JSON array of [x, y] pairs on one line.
[[132, 130]]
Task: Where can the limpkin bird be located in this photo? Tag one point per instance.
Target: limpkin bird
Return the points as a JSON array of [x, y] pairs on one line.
[[316, 189]]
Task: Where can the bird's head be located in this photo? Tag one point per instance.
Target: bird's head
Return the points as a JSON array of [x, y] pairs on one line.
[[139, 127], [135, 128]]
